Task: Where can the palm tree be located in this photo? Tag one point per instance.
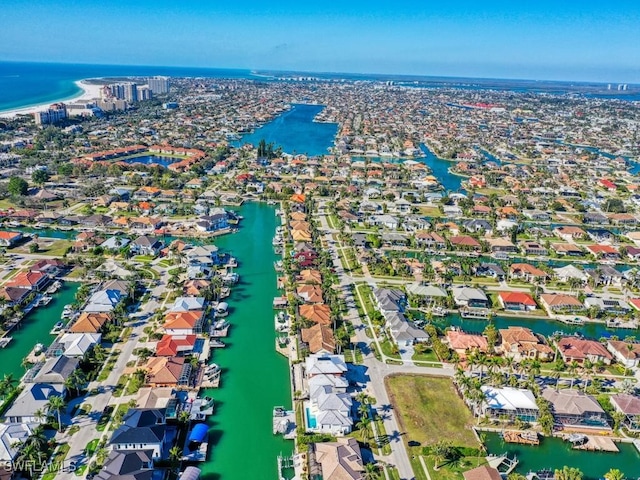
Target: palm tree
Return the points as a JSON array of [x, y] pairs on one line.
[[568, 473], [55, 405], [614, 474], [371, 472], [175, 456], [363, 427]]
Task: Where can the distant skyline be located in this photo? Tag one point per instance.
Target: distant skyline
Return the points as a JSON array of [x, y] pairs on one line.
[[539, 40]]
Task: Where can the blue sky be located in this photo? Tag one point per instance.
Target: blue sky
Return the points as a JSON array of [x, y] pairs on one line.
[[563, 40]]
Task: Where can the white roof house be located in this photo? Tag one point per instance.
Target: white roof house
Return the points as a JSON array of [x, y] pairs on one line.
[[509, 400], [426, 290], [321, 364], [184, 304], [569, 271], [103, 301], [10, 436], [331, 411], [77, 344]]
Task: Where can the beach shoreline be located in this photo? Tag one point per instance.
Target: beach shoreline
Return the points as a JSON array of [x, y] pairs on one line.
[[89, 92]]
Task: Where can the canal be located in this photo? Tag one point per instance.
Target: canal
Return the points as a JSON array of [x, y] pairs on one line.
[[254, 377], [555, 453], [296, 132], [33, 329]]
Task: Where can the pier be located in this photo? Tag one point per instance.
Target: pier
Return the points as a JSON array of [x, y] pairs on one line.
[[523, 438], [597, 444], [284, 423]]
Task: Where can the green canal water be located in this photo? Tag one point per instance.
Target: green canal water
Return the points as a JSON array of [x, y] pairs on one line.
[[33, 329], [555, 453], [255, 378]]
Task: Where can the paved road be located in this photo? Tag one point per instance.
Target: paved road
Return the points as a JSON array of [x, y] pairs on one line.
[[87, 423], [375, 371]]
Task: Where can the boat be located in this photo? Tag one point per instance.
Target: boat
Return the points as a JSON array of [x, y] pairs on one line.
[[577, 438], [222, 309], [67, 311], [271, 202], [38, 349], [214, 343], [4, 341], [44, 300], [54, 287], [225, 292], [230, 278], [57, 328]]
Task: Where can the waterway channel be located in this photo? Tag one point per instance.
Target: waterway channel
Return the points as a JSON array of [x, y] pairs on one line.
[[34, 328], [555, 453], [255, 378]]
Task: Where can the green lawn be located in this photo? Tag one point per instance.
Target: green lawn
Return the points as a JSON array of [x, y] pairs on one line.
[[430, 410], [143, 258], [56, 461]]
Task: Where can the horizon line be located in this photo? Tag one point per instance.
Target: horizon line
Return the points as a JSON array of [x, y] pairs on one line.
[[311, 73]]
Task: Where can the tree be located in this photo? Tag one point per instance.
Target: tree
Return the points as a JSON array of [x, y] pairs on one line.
[[17, 186], [491, 333], [40, 177], [614, 474], [568, 473], [371, 472], [441, 451], [55, 405]]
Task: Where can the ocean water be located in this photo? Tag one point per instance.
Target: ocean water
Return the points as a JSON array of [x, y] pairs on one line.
[[25, 84]]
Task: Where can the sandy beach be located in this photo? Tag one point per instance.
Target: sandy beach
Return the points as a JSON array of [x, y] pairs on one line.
[[89, 92]]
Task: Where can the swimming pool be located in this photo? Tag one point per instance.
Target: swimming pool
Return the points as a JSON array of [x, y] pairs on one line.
[[311, 419]]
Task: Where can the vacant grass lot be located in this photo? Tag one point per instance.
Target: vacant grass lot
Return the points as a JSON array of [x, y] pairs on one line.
[[429, 410]]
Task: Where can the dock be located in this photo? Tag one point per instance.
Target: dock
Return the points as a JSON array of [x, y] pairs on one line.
[[522, 438], [502, 463], [597, 444], [284, 423], [201, 408], [477, 313]]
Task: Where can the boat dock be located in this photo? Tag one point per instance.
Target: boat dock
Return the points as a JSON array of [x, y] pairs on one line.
[[597, 444], [284, 423], [478, 313], [523, 438], [502, 463], [201, 408]]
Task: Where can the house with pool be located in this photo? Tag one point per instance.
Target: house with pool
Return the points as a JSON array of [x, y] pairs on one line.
[[509, 402]]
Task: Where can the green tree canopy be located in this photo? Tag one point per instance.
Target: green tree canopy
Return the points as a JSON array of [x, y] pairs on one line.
[[17, 186]]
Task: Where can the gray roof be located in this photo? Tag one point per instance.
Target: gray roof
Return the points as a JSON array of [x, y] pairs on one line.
[[34, 397], [571, 402], [389, 299], [10, 435], [128, 464], [56, 370], [468, 293]]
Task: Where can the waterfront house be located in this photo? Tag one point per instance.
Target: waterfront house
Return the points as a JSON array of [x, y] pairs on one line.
[[521, 343], [469, 297], [464, 242], [130, 465], [475, 225], [9, 239], [518, 301], [316, 313], [573, 408], [320, 364], [607, 305], [527, 272], [56, 370], [75, 345], [13, 295], [485, 472], [464, 343], [12, 435], [533, 248], [564, 274], [319, 338], [431, 240], [606, 252], [309, 276], [627, 353], [629, 406], [309, 293], [569, 233], [144, 429], [501, 245], [329, 412], [389, 300], [103, 301], [185, 304], [145, 245], [560, 303], [121, 286], [30, 280], [184, 322], [50, 266], [91, 322], [567, 249], [581, 349], [429, 293], [175, 345], [339, 460], [403, 332], [167, 372], [492, 270], [509, 402], [29, 404]]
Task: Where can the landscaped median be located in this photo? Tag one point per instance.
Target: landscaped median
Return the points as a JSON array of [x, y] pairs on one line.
[[429, 411]]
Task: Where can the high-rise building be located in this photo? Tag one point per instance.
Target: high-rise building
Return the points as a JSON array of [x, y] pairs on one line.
[[131, 92], [159, 85], [55, 113], [144, 93], [117, 90]]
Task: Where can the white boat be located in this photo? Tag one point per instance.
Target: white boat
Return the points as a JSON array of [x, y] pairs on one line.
[[38, 349], [4, 341], [216, 344], [222, 309], [577, 438], [230, 278], [54, 287], [45, 300]]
